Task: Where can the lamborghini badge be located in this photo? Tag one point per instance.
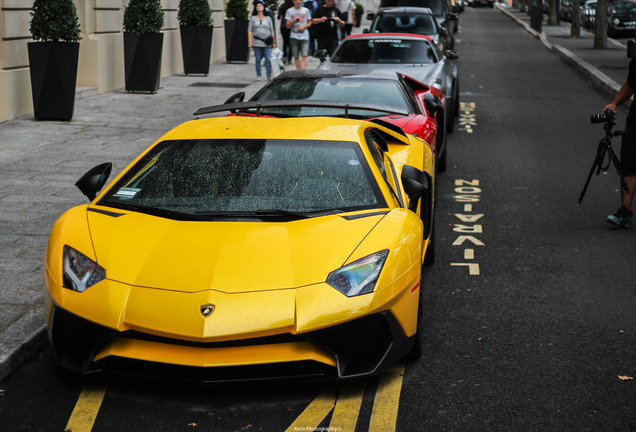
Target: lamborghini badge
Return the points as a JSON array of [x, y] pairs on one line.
[[206, 309]]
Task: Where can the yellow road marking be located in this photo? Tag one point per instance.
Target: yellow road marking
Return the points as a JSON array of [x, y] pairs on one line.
[[345, 413], [86, 408], [387, 400], [315, 413]]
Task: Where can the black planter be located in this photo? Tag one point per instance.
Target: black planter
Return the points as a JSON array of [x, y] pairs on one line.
[[53, 68], [236, 47], [142, 61], [196, 45]]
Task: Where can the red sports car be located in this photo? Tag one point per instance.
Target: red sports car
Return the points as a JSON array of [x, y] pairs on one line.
[[413, 106]]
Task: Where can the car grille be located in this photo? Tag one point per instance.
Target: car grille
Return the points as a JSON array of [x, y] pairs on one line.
[[360, 347]]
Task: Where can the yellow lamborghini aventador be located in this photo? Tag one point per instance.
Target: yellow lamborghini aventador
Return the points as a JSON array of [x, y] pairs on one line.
[[247, 247]]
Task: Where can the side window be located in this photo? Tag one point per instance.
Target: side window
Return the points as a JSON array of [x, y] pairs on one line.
[[385, 165], [375, 152]]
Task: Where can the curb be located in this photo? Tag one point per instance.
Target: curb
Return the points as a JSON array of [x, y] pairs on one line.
[[22, 339], [595, 77]]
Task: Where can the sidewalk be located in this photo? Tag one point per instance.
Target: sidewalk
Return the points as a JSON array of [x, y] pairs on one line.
[[605, 70], [41, 161]]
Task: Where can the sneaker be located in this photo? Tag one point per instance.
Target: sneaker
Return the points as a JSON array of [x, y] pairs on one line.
[[622, 218]]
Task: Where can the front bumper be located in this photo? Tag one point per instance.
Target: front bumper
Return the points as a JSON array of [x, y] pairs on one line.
[[356, 348]]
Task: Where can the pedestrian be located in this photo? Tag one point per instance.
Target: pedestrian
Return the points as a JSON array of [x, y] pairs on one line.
[[312, 6], [623, 217], [348, 9], [298, 20], [260, 36], [328, 22], [284, 31]]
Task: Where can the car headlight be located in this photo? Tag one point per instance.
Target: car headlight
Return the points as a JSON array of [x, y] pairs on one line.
[[616, 21], [360, 276], [437, 84], [80, 272]]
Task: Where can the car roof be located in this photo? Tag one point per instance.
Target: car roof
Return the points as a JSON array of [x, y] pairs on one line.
[[405, 9], [389, 36], [295, 128]]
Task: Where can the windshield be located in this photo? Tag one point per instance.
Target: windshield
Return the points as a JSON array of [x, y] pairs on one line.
[[340, 89], [624, 7], [407, 23], [391, 51], [434, 5], [212, 178]]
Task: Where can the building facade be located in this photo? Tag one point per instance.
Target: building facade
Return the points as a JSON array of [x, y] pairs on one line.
[[101, 59]]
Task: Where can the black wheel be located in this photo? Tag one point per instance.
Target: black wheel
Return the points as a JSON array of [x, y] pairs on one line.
[[441, 161]]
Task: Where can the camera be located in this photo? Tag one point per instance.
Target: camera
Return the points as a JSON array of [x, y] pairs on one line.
[[603, 117]]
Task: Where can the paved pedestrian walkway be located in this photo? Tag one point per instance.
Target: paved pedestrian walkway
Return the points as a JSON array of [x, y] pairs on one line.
[[40, 162], [605, 69]]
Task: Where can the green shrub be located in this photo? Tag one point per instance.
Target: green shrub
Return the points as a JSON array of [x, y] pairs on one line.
[[195, 13], [359, 8], [143, 16], [54, 21], [238, 9]]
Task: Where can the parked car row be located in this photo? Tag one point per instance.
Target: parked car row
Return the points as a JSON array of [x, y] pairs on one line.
[[284, 239], [621, 16]]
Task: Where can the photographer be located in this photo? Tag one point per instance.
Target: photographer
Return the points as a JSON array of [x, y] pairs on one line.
[[328, 21], [623, 217]]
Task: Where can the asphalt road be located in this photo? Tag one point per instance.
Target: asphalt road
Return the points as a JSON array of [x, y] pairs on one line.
[[530, 306]]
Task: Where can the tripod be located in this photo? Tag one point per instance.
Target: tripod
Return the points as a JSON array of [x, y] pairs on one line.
[[605, 147]]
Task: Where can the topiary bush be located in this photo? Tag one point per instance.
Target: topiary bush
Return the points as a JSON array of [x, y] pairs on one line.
[[194, 13], [143, 16], [54, 21], [238, 9]]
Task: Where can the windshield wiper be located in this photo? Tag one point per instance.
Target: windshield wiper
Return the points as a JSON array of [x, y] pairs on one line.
[[270, 213]]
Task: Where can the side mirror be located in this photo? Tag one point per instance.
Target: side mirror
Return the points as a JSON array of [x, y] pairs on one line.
[[451, 55], [235, 98], [418, 186], [432, 104], [443, 31], [322, 55], [93, 181]]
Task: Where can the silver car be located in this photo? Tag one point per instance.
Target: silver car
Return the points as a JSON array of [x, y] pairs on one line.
[[413, 55]]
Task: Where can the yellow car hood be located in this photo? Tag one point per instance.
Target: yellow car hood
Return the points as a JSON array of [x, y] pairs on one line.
[[230, 257]]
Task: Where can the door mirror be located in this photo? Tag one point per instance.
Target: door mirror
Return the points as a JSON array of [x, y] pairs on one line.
[[432, 104], [451, 55], [322, 55], [418, 185], [93, 181], [235, 98]]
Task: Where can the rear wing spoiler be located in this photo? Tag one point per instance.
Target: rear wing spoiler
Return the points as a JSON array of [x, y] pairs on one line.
[[259, 105]]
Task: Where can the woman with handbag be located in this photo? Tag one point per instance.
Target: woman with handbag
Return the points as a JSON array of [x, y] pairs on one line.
[[260, 36]]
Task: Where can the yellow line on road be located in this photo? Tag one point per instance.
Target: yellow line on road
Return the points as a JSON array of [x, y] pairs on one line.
[[387, 400], [315, 413], [86, 408], [345, 413]]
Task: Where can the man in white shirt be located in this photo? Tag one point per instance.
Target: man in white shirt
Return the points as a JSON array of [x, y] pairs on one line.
[[298, 20]]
